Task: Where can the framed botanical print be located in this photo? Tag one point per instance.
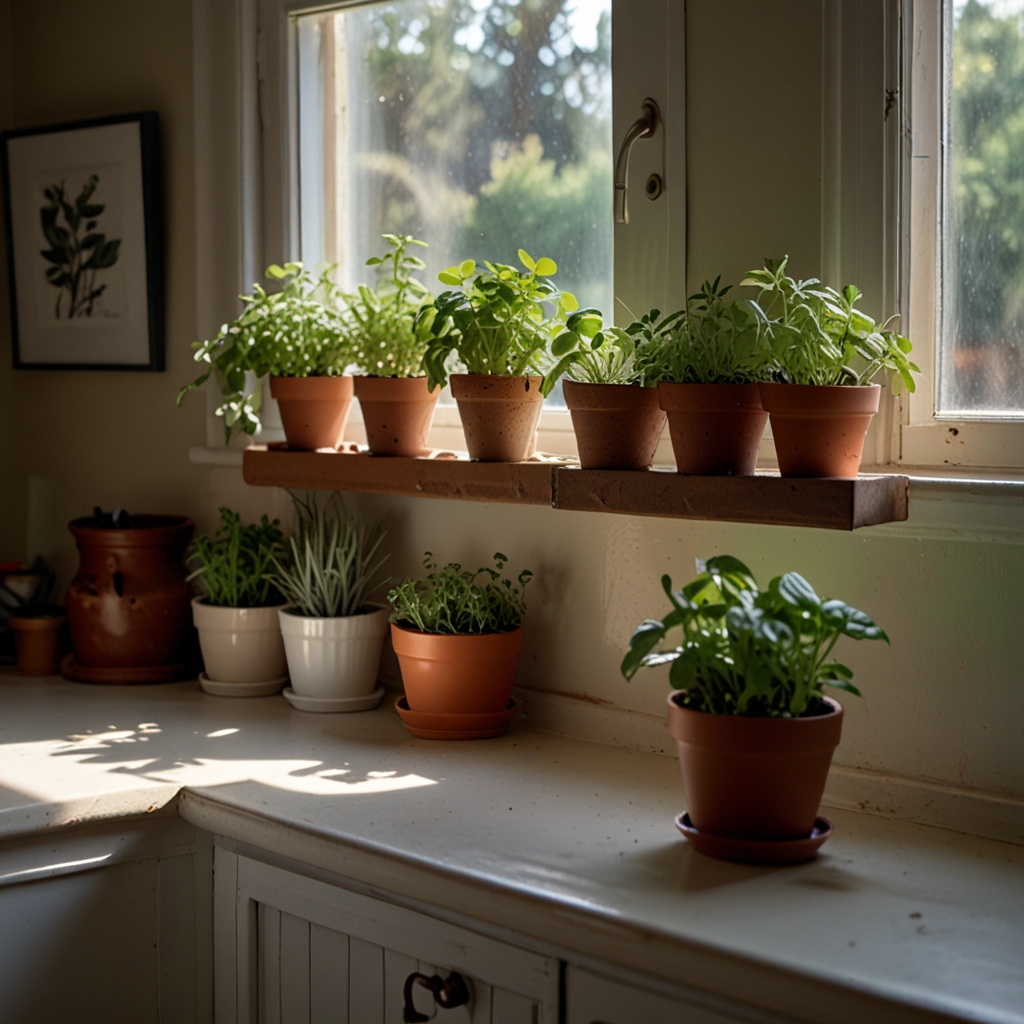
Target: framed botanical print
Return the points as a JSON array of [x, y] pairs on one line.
[[84, 244]]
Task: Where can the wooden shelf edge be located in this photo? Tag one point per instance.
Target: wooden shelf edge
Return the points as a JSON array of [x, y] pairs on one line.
[[767, 499]]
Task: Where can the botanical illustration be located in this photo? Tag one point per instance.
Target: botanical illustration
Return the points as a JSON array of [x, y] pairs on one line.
[[77, 252]]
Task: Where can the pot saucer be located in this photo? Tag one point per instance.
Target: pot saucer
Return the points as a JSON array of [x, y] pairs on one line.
[[757, 851], [219, 689], [334, 705], [79, 673], [437, 725]]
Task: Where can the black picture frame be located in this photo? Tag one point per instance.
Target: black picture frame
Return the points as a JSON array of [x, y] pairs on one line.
[[149, 348]]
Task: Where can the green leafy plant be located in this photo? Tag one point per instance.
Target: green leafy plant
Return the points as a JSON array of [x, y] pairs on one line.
[[295, 332], [234, 562], [750, 652], [456, 601], [382, 331], [710, 341], [76, 257], [330, 565], [818, 336], [494, 322], [614, 361]]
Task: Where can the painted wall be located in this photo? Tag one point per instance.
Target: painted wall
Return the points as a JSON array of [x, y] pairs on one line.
[[943, 703]]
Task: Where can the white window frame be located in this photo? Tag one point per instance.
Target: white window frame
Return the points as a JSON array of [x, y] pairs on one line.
[[926, 437], [246, 64]]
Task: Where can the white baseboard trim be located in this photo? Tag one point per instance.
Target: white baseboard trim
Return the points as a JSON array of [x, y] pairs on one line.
[[890, 796]]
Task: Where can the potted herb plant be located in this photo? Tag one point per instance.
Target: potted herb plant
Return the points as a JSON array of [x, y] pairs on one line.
[[237, 619], [613, 402], [754, 728], [458, 636], [387, 346], [826, 354], [296, 336], [708, 359], [333, 635], [495, 325]]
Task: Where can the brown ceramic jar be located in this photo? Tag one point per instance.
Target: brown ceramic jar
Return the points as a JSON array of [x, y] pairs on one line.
[[129, 606]]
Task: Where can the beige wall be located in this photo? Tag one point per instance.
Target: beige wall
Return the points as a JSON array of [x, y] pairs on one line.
[[101, 438], [943, 703]]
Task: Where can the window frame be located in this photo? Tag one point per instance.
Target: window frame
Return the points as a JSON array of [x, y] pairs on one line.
[[926, 436]]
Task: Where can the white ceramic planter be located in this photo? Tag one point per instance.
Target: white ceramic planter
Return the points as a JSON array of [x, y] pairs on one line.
[[336, 658], [240, 645]]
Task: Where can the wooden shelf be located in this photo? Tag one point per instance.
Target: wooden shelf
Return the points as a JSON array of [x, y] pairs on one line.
[[831, 504]]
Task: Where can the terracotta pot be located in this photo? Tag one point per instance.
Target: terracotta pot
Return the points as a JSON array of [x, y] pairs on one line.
[[820, 431], [716, 429], [128, 605], [617, 425], [397, 412], [499, 415], [754, 778], [460, 674], [38, 629], [314, 410]]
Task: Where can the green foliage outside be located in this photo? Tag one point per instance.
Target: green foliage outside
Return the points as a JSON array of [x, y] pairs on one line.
[[744, 651], [233, 563], [454, 600]]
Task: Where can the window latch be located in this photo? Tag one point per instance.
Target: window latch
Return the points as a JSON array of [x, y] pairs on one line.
[[644, 127]]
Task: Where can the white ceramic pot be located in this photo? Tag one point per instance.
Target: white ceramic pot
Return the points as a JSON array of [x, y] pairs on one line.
[[334, 657], [240, 645]]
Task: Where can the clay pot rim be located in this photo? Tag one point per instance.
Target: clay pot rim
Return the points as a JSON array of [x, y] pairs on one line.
[[633, 396], [836, 708], [819, 387], [36, 623], [205, 602], [372, 608], [158, 535], [675, 396], [458, 636]]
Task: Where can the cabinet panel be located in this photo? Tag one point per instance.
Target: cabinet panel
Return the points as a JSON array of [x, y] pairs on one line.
[[329, 956]]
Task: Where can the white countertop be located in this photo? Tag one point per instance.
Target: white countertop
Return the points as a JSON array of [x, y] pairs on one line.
[[561, 841]]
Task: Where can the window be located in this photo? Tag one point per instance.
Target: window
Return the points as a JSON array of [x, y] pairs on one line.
[[966, 233]]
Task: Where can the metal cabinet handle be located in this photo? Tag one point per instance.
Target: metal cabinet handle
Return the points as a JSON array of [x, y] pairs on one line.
[[644, 127], [447, 994]]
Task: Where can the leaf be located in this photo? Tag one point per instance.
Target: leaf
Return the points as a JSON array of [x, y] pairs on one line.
[[797, 591], [565, 342], [727, 564], [684, 669], [527, 260], [447, 277], [546, 266], [851, 621], [568, 302], [843, 684], [466, 268], [277, 272], [645, 638]]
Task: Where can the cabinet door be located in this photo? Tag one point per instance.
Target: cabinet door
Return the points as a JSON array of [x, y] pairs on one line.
[[294, 950], [593, 999]]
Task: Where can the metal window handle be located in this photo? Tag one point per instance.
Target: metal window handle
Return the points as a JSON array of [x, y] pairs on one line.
[[644, 127], [447, 994]]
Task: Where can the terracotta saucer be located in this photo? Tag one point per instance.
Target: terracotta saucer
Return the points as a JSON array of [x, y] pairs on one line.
[[757, 851], [79, 673], [435, 725]]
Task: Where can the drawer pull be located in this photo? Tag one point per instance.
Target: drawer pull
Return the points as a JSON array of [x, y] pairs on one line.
[[447, 994]]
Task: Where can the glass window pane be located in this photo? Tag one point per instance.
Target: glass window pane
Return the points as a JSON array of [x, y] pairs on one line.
[[981, 370], [479, 126]]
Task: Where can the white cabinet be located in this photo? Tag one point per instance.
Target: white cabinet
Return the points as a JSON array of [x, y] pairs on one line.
[[296, 950]]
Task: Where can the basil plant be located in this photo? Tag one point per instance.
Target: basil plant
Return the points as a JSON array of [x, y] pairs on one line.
[[744, 651]]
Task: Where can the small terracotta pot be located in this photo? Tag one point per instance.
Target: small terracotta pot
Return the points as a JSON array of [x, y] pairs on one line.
[[716, 429], [617, 425], [499, 415], [754, 778], [820, 430], [128, 605], [460, 674], [314, 410], [397, 412], [38, 630]]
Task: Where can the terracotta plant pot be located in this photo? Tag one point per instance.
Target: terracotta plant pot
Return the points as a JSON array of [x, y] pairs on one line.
[[457, 673], [716, 429], [240, 645], [128, 606], [499, 415], [617, 426], [754, 778], [38, 629], [397, 412], [820, 431], [314, 410]]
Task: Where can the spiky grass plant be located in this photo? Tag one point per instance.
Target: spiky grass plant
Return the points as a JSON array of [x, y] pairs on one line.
[[330, 565]]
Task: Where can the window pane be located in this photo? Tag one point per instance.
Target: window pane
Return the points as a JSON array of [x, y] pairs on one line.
[[982, 355], [479, 126]]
